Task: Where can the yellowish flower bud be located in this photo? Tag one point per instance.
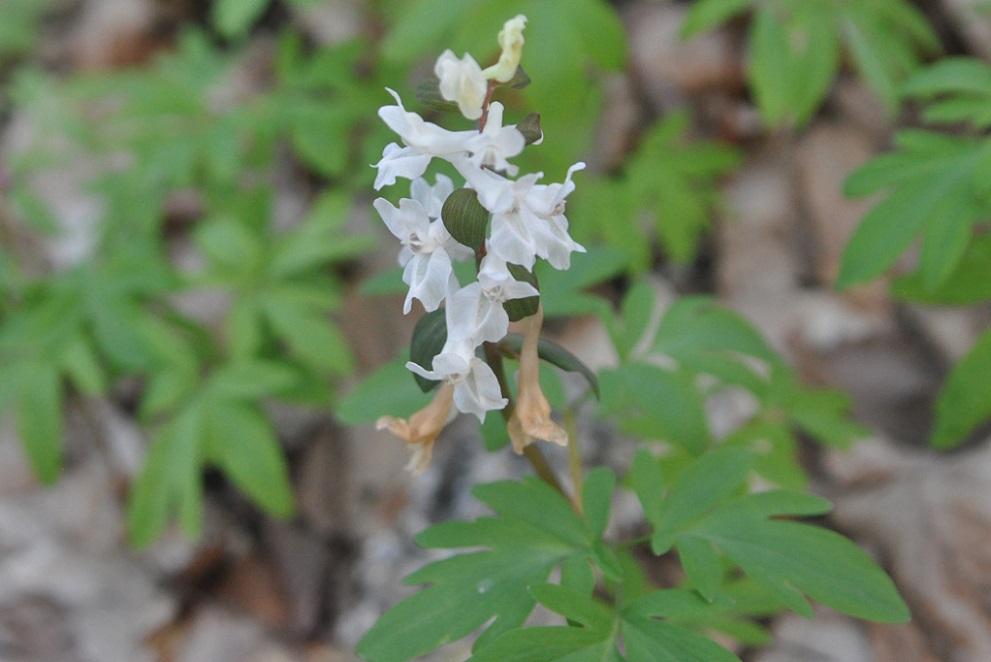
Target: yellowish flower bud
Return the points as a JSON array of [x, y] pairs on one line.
[[511, 41], [531, 418], [422, 428]]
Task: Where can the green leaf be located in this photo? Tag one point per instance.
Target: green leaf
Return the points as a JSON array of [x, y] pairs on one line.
[[950, 75], [969, 283], [694, 326], [241, 442], [705, 15], [321, 134], [251, 380], [573, 605], [518, 309], [233, 17], [597, 499], [310, 335], [769, 71], [701, 563], [648, 483], [387, 391], [709, 481], [465, 218], [675, 181], [81, 365], [550, 351], [428, 340], [38, 410], [639, 310], [562, 292], [963, 402], [534, 530], [552, 644], [319, 240], [790, 558], [655, 403], [936, 196], [169, 482], [647, 638]]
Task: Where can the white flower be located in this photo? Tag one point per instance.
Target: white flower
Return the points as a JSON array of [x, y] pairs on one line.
[[423, 141], [426, 252], [527, 219], [462, 81], [399, 161], [432, 197], [495, 143], [511, 40], [476, 389], [476, 312]]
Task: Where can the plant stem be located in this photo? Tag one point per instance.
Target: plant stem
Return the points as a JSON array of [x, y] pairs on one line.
[[574, 456]]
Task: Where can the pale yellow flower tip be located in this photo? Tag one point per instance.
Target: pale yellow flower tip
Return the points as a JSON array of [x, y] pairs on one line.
[[421, 430], [531, 418], [511, 41]]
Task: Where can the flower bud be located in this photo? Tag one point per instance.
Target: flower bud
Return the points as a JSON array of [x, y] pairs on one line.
[[511, 41], [531, 418]]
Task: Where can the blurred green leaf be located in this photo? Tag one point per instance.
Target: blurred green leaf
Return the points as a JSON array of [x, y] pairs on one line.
[[963, 402], [232, 18]]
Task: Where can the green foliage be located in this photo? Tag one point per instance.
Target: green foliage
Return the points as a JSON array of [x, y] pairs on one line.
[[523, 544], [701, 512], [796, 48], [935, 192], [936, 188], [113, 316], [669, 184], [693, 351], [704, 514]]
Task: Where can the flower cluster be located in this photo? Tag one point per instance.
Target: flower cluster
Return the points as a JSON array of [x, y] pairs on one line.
[[527, 223]]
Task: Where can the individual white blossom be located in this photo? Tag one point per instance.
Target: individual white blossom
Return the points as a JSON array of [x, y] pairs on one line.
[[476, 389], [476, 310], [426, 252], [396, 161], [463, 82], [494, 144], [511, 41], [527, 218], [424, 140], [432, 197]]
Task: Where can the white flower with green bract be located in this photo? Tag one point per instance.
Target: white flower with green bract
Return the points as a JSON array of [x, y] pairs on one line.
[[527, 223]]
